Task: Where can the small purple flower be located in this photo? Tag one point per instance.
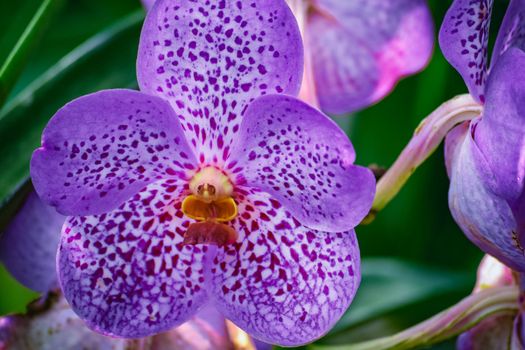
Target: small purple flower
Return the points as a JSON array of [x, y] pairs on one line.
[[356, 51], [201, 156], [486, 157]]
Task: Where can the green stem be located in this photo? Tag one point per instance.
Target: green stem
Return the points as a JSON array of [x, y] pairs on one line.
[[449, 323], [13, 65], [427, 137]]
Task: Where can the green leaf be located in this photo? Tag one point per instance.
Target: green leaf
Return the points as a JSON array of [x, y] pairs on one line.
[[106, 60], [390, 284], [11, 68]]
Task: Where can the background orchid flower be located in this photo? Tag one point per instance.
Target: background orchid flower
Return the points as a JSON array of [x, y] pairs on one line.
[[198, 156], [356, 51], [485, 157]]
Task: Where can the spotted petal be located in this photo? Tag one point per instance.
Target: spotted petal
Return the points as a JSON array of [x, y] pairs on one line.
[[464, 38], [29, 245], [360, 49], [127, 273], [284, 283], [211, 58], [512, 30], [100, 149], [485, 218], [305, 161]]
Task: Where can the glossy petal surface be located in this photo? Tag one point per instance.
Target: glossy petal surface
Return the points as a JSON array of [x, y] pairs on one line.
[[29, 245], [512, 30], [305, 161], [148, 4], [464, 38], [284, 283], [501, 133], [211, 58], [127, 273], [100, 149], [485, 218], [360, 49]]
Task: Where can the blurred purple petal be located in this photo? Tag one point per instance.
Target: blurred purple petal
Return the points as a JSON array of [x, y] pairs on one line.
[[282, 282], [464, 38], [57, 328], [100, 149], [493, 333], [512, 30], [305, 161], [29, 244], [148, 4], [485, 218], [205, 331], [211, 71], [360, 49], [127, 273]]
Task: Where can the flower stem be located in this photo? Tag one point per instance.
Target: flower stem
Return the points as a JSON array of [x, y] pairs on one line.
[[451, 322], [427, 137]]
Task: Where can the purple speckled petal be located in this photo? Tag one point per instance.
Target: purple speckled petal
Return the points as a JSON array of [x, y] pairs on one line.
[[360, 49], [100, 149], [29, 245], [512, 30], [501, 133], [211, 58], [284, 283], [304, 160], [464, 38], [485, 218], [127, 273], [493, 333]]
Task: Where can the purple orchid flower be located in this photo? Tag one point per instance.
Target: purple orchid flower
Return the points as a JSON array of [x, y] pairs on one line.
[[356, 51], [485, 158], [201, 156]]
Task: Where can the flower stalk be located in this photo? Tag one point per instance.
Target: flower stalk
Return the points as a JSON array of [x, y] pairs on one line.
[[427, 137], [449, 323]]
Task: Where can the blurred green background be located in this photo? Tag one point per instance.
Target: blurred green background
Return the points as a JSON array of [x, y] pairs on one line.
[[415, 259]]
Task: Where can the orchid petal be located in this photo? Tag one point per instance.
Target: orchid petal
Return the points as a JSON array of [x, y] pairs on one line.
[[500, 135], [282, 282], [209, 59], [127, 273], [485, 218], [100, 149], [305, 161], [29, 245], [512, 30], [464, 39], [360, 49]]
